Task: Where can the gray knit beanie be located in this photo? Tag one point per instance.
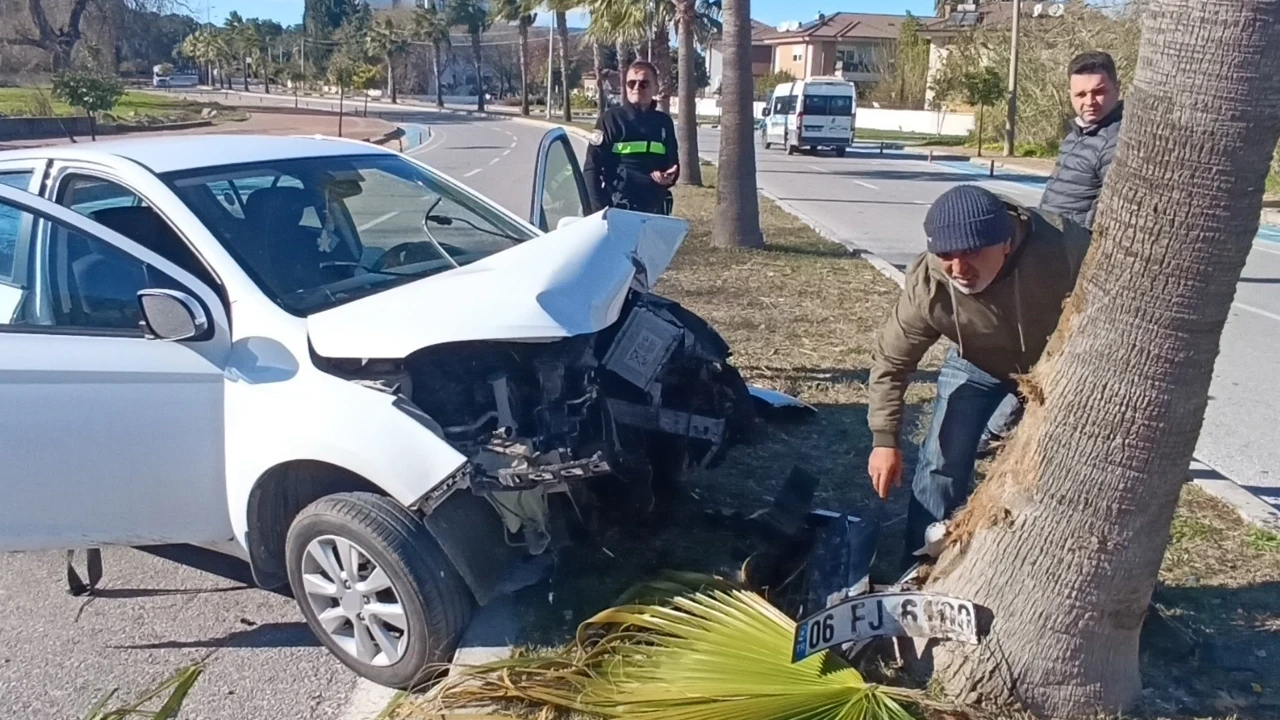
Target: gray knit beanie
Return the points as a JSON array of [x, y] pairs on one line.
[[966, 218]]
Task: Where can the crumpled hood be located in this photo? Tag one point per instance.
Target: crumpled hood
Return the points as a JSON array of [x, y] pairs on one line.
[[572, 281]]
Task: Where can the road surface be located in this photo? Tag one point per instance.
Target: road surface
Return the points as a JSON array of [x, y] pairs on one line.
[[877, 202], [59, 654]]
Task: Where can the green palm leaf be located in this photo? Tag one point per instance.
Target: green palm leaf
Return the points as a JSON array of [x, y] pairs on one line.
[[719, 653]]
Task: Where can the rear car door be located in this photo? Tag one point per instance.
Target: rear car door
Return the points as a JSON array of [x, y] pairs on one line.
[[110, 437], [559, 188]]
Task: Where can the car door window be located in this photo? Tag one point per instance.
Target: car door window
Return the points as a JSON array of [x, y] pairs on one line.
[[11, 226], [124, 211], [559, 189], [93, 286]]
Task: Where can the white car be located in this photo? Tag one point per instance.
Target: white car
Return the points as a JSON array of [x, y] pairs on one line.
[[374, 385]]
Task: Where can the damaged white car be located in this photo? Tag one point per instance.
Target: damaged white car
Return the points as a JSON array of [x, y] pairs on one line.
[[374, 385]]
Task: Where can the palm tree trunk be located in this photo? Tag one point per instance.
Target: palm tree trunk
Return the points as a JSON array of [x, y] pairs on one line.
[[980, 109], [597, 60], [1064, 540], [342, 105], [244, 63], [687, 122], [391, 79], [475, 52], [737, 221], [624, 58], [437, 69], [562, 27], [524, 69], [266, 72], [662, 60]]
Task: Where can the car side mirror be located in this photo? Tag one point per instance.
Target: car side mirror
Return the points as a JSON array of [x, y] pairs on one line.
[[764, 112], [171, 315]]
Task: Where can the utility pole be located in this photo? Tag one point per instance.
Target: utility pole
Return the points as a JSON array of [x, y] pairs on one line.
[[1011, 122], [551, 55], [302, 54]]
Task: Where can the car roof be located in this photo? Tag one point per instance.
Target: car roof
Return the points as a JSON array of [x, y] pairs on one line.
[[190, 152]]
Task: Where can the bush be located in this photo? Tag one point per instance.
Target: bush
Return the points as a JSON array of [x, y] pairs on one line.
[[579, 100]]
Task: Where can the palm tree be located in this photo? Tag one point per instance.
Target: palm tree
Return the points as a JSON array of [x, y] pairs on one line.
[[687, 122], [386, 42], [561, 10], [243, 41], [432, 26], [1063, 541], [473, 15], [620, 23], [519, 13], [738, 208]]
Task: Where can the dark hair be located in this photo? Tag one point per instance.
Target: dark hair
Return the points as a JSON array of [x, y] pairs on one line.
[[644, 65], [1093, 63]]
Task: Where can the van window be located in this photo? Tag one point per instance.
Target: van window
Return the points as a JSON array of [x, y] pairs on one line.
[[784, 105], [836, 105]]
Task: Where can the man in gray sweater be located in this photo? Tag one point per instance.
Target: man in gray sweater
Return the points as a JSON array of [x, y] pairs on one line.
[[1086, 152]]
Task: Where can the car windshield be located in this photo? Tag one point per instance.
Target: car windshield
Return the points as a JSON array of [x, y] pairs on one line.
[[318, 232]]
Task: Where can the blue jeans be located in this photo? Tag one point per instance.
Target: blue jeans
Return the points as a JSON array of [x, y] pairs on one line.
[[968, 398]]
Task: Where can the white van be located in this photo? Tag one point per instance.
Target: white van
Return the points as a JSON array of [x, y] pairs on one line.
[[815, 113]]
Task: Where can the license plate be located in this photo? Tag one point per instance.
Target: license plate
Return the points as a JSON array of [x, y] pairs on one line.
[[919, 615]]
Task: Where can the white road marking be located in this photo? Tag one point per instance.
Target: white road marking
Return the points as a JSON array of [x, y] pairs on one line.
[[436, 137], [494, 161], [1258, 311], [863, 184], [506, 152], [1256, 246], [377, 221], [473, 172]]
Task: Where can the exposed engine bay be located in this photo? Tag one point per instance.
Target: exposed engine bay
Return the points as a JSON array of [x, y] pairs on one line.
[[652, 393]]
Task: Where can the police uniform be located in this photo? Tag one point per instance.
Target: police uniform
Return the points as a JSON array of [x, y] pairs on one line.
[[628, 145]]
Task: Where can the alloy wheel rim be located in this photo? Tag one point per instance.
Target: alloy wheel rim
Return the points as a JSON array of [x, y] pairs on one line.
[[354, 601]]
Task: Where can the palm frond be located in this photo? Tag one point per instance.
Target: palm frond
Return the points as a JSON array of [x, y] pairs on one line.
[[174, 692], [717, 653]]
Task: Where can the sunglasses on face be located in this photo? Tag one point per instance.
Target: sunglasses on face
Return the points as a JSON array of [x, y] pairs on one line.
[[638, 84]]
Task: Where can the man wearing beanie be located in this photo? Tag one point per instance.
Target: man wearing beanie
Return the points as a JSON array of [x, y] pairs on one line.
[[993, 282]]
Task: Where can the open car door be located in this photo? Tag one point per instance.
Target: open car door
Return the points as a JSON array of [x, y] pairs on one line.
[[559, 188]]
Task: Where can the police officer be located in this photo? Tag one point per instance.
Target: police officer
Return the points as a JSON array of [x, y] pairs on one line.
[[632, 158]]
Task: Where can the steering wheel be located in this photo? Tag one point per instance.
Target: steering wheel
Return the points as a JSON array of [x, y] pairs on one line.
[[405, 253]]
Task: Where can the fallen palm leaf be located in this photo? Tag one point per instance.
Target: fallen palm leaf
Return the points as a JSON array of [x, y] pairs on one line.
[[174, 691], [716, 653]]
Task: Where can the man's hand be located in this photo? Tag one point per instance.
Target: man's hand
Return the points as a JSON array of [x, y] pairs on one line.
[[665, 178], [885, 468]]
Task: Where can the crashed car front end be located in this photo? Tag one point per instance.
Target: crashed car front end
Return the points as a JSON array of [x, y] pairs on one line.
[[616, 382]]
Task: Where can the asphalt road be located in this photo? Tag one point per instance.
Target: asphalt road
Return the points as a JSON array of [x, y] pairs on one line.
[[59, 654], [877, 202]]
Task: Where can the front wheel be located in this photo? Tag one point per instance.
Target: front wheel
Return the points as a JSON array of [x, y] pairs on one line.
[[764, 140], [375, 587], [840, 152]]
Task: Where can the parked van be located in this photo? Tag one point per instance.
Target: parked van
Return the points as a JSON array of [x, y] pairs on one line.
[[811, 114]]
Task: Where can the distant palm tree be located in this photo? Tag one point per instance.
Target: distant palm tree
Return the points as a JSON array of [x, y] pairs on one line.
[[473, 15], [520, 13], [432, 26], [243, 41], [386, 41], [561, 9]]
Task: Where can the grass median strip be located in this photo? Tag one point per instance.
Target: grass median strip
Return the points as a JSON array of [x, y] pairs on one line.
[[802, 317]]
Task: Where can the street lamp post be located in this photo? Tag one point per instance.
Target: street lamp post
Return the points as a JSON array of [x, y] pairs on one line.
[[1011, 122]]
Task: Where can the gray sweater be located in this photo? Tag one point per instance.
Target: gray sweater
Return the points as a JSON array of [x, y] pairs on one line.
[[1083, 160]]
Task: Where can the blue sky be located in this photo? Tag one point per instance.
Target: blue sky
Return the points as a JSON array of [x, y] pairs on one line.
[[288, 12]]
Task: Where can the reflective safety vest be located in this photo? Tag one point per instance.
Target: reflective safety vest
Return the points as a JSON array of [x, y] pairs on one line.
[[639, 147]]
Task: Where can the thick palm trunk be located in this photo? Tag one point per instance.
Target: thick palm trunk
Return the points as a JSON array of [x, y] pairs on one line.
[[524, 69], [687, 121], [738, 208], [475, 53], [662, 60], [437, 69], [1064, 541], [562, 28]]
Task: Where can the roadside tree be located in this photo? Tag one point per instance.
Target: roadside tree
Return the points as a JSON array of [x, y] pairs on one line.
[[90, 89], [1064, 539]]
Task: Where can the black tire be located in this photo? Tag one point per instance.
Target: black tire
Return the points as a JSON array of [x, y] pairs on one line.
[[840, 152], [764, 140], [436, 600], [791, 149]]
